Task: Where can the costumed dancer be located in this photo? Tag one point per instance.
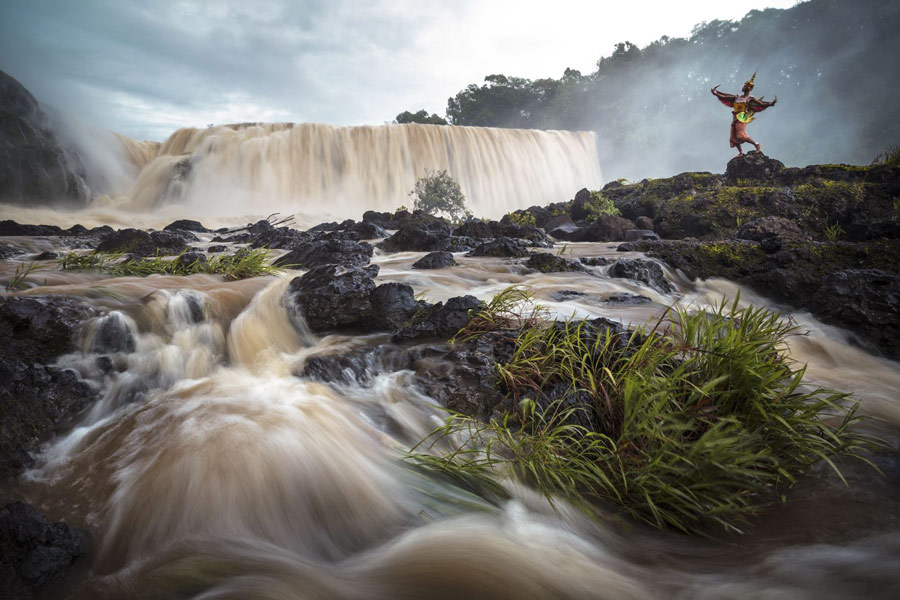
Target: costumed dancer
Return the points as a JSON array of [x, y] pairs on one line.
[[743, 108]]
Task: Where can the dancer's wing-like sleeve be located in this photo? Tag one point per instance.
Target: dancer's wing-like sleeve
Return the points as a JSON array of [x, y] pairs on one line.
[[726, 99], [758, 104]]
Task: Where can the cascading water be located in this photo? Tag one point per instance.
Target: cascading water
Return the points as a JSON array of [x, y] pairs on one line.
[[230, 476], [340, 172]]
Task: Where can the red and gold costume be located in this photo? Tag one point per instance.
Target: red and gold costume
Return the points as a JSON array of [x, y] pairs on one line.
[[743, 106]]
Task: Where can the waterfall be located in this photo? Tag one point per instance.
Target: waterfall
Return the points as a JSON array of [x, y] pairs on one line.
[[339, 172]]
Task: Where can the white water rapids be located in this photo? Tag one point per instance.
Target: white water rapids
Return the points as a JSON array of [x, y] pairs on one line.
[[210, 470]]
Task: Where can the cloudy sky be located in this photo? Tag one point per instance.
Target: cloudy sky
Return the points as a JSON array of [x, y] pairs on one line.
[[146, 68]]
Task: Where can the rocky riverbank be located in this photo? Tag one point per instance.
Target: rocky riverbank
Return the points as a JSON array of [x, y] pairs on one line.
[[825, 239]]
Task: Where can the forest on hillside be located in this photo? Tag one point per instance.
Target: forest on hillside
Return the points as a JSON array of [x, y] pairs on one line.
[[832, 63]]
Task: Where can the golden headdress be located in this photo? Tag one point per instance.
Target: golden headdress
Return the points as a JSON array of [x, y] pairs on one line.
[[749, 82]]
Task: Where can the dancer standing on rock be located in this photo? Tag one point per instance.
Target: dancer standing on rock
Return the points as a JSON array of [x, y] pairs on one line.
[[743, 107]]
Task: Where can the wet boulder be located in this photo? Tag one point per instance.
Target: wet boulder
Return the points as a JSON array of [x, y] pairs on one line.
[[420, 232], [34, 551], [190, 259], [186, 225], [607, 228], [594, 261], [563, 228], [476, 229], [385, 220], [332, 296], [501, 248], [442, 320], [551, 263], [643, 271], [217, 248], [36, 397], [8, 250], [626, 299], [329, 251], [140, 243], [435, 260], [279, 238], [363, 231], [393, 305], [864, 301]]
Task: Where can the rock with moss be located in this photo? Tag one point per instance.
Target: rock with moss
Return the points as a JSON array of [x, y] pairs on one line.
[[850, 285]]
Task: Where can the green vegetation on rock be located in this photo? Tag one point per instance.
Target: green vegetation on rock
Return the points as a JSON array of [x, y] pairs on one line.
[[698, 421], [241, 265]]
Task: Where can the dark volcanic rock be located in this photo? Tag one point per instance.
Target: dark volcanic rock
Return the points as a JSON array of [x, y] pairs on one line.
[[217, 248], [644, 223], [578, 211], [563, 228], [635, 235], [863, 301], [35, 168], [435, 260], [189, 258], [754, 165], [644, 271], [11, 228], [419, 232], [844, 284], [35, 398], [595, 261], [385, 220], [501, 247], [332, 296], [475, 229], [34, 551], [550, 263], [48, 255], [279, 238], [363, 231], [441, 320], [772, 233], [346, 253], [141, 243], [393, 305], [607, 228], [464, 379], [186, 225], [627, 299]]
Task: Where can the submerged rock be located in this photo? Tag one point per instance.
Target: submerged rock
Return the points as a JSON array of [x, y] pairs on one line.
[[34, 551], [643, 271], [551, 263], [435, 260]]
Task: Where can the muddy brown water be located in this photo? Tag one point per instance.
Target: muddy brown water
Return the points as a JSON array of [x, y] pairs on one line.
[[207, 469]]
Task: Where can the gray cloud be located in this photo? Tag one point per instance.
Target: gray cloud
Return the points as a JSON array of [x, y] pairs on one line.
[[145, 69]]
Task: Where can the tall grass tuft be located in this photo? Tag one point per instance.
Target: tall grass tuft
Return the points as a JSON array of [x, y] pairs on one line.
[[699, 421], [241, 265]]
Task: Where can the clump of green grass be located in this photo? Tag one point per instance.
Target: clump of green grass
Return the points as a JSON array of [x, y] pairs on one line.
[[18, 280], [241, 265], [834, 232], [699, 421]]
